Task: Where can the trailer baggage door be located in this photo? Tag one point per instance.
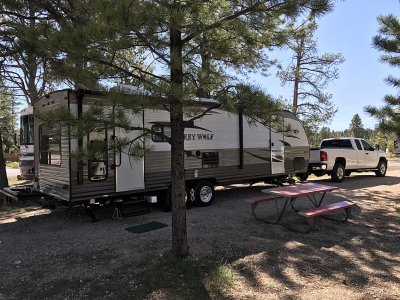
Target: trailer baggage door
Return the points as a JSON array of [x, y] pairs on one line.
[[129, 171], [277, 145]]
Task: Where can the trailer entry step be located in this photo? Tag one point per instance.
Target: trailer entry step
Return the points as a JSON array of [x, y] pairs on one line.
[[132, 206]]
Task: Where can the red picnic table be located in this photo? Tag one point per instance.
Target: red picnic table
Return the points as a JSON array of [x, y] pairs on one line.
[[313, 191]]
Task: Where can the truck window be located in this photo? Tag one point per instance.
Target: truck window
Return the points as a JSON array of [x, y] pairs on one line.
[[340, 143], [367, 146], [358, 144]]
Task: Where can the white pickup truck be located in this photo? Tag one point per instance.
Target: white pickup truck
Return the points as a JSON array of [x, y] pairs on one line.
[[339, 157]]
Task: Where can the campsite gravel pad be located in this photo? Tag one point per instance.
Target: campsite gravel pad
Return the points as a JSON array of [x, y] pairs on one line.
[[146, 227]]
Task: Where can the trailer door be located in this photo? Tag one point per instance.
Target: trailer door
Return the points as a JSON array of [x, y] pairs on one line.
[[277, 145], [129, 171]]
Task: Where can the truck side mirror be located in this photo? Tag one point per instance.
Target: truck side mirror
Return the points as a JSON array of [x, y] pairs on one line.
[[377, 147]]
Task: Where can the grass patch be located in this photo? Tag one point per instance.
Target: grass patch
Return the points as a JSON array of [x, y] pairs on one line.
[[12, 164], [397, 209], [223, 276]]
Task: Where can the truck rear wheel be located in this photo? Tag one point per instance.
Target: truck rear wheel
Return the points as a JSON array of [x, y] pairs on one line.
[[382, 167], [338, 172], [204, 193]]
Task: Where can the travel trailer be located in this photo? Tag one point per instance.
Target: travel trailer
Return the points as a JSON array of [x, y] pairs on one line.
[[220, 148], [26, 159]]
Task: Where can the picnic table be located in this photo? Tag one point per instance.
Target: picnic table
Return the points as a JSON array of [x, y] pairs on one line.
[[314, 192]]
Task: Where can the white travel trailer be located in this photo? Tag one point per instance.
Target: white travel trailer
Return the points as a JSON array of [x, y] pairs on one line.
[[26, 161], [221, 148]]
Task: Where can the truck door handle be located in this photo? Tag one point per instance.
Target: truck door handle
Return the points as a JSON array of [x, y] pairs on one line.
[[367, 153]]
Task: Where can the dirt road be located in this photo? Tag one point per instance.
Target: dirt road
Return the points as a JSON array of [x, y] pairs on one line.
[[60, 255]]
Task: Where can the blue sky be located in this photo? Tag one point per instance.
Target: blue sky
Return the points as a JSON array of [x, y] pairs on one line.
[[349, 30]]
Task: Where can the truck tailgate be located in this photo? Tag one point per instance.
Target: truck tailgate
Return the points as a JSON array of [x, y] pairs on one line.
[[314, 155]]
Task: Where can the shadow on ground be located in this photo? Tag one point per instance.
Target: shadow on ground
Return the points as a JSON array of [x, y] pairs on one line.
[[233, 256]]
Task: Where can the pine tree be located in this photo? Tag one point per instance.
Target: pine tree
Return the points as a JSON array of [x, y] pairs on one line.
[[310, 73], [7, 122], [356, 127], [23, 68], [388, 42], [172, 49]]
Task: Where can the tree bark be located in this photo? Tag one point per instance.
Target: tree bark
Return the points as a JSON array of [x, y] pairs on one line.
[[297, 77], [203, 91], [3, 171], [179, 231]]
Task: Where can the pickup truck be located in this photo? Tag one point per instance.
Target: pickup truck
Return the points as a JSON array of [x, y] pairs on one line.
[[338, 157]]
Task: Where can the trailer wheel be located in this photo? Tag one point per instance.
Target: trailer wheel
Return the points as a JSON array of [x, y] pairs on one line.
[[204, 193], [168, 199], [338, 172], [382, 167]]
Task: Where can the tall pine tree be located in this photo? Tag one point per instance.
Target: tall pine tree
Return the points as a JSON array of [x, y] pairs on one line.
[[172, 49], [309, 74], [356, 127], [388, 42]]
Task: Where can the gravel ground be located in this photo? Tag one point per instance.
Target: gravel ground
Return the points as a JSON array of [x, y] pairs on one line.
[[61, 255]]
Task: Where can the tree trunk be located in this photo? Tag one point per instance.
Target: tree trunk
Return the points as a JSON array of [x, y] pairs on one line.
[[3, 172], [295, 94], [203, 91], [179, 233], [297, 77]]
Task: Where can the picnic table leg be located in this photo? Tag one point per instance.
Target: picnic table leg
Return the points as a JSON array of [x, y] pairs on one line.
[[279, 212], [285, 206], [291, 204]]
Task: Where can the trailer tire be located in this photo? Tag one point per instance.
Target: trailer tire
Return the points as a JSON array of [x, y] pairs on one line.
[[338, 172], [204, 193], [168, 200], [382, 167]]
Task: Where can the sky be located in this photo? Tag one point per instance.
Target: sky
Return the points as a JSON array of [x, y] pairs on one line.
[[349, 30]]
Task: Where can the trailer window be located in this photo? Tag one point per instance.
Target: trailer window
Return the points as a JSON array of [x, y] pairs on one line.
[[97, 156], [160, 132], [50, 145], [26, 131]]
